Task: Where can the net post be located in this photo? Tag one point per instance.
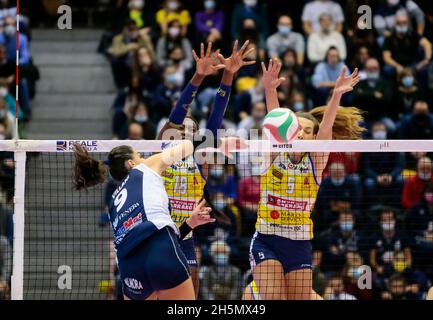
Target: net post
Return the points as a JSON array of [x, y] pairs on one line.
[[17, 281]]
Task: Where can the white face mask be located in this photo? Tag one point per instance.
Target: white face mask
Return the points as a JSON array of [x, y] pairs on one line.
[[250, 3], [388, 226], [10, 30], [137, 4], [174, 31], [3, 92], [425, 176], [173, 5], [379, 135]]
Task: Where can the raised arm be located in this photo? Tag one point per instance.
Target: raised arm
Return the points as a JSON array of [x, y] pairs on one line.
[[342, 85], [271, 81], [204, 66], [232, 65]]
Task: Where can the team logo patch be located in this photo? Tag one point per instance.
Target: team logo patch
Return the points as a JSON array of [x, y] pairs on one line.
[[61, 145], [275, 214]]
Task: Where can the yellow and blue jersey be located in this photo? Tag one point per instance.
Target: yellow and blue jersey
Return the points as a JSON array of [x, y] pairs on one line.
[[287, 198]]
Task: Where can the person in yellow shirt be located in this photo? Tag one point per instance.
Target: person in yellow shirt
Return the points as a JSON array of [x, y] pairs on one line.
[[173, 10], [281, 251]]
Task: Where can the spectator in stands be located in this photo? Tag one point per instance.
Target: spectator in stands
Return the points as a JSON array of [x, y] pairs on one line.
[[220, 281], [413, 188], [407, 93], [122, 51], [396, 289], [325, 74], [401, 49], [248, 200], [167, 93], [209, 23], [359, 60], [8, 39], [149, 73], [10, 102], [352, 271], [135, 131], [315, 9], [419, 124], [335, 290], [7, 120], [320, 41], [248, 75], [243, 101], [340, 239], [284, 39], [253, 121], [249, 9], [7, 68], [233, 225], [142, 16], [7, 170], [173, 10], [373, 95], [221, 178], [173, 39], [141, 116], [5, 267], [420, 217], [386, 243], [383, 180], [292, 68], [386, 12], [337, 193]]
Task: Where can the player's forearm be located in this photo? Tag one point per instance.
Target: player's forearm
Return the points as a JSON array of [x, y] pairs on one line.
[[178, 114], [272, 101], [325, 129]]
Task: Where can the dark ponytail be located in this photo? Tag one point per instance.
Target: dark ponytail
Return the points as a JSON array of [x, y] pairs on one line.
[[88, 172]]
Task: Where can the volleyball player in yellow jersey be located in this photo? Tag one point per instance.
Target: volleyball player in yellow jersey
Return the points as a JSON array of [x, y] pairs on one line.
[[281, 252], [185, 181]]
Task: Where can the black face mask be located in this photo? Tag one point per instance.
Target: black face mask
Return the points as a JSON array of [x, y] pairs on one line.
[[176, 61], [421, 118]]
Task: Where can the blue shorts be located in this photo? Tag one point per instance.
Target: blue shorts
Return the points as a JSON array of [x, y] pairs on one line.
[[292, 254], [156, 264], [188, 249]]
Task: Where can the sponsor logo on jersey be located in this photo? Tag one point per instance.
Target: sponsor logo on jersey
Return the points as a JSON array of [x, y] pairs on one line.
[[182, 204], [68, 145], [132, 221], [133, 284], [286, 203], [166, 174], [278, 174]]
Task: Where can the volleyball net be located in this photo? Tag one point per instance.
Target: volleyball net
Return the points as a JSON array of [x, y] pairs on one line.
[[373, 218]]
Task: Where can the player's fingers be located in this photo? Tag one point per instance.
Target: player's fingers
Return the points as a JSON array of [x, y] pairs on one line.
[[343, 72], [209, 49], [195, 55], [263, 67], [235, 47], [219, 67], [246, 54], [201, 50], [221, 58], [244, 47], [248, 63]]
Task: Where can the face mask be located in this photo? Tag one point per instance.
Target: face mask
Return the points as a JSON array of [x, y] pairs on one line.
[[289, 64], [176, 60], [250, 3], [388, 226], [221, 259], [141, 118], [425, 176], [429, 197], [173, 5], [284, 29], [400, 266], [10, 30], [373, 76], [346, 226], [258, 118], [173, 79], [355, 272], [393, 2], [216, 172], [379, 135], [407, 81], [210, 4], [174, 32], [3, 92], [298, 106], [2, 136], [338, 182], [220, 205], [401, 29], [138, 4], [2, 114]]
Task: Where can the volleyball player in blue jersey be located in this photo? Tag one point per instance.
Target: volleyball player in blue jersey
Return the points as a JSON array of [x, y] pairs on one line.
[[150, 261]]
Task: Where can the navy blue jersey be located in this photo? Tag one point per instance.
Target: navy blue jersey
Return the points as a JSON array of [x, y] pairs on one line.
[[138, 209]]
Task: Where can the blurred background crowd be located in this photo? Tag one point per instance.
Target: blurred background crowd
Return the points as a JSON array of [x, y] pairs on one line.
[[373, 209]]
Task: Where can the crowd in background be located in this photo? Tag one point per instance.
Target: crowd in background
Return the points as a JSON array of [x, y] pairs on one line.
[[373, 209]]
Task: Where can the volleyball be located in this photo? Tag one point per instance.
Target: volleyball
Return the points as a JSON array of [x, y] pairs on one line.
[[281, 125]]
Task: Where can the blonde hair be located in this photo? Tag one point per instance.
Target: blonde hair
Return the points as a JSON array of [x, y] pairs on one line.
[[347, 122]]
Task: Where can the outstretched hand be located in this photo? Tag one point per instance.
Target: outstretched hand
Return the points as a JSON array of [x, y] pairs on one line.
[[206, 64], [345, 83], [271, 79], [200, 215], [237, 58]]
